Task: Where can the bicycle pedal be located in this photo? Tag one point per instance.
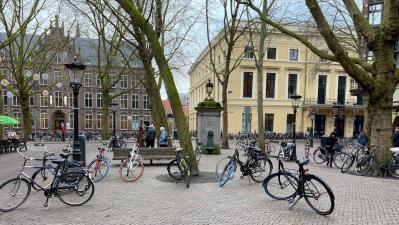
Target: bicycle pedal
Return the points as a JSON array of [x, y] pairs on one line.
[[48, 201]]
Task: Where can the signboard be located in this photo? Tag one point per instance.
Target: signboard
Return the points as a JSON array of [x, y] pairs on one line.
[[34, 113]]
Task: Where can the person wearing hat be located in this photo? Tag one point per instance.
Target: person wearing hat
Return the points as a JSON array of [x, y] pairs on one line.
[[163, 138]]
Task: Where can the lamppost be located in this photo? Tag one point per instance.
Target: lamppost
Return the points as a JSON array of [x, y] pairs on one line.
[[338, 119], [114, 108], [312, 118], [75, 75], [295, 105], [209, 89]]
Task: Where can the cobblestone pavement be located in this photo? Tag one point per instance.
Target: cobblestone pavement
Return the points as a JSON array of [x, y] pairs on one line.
[[359, 200]]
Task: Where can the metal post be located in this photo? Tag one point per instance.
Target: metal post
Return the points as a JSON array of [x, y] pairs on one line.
[[312, 133], [293, 156], [114, 125], [76, 151]]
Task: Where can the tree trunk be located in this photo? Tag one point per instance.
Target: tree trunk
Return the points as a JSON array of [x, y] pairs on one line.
[[26, 118], [105, 116], [225, 118], [158, 52]]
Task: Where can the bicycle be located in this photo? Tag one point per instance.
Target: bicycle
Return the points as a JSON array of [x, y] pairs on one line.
[[364, 164], [285, 151], [320, 156], [285, 185], [132, 168], [62, 187], [256, 166], [197, 150], [99, 167], [270, 149], [307, 151], [116, 142], [352, 158], [179, 168]]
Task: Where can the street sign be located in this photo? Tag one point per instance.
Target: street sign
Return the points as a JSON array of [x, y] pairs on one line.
[[34, 113], [10, 94], [45, 76], [247, 109]]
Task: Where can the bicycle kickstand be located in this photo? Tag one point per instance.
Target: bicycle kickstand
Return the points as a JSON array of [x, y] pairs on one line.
[[48, 201], [293, 202]]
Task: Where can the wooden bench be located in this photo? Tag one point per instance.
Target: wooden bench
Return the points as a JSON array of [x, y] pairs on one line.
[[165, 153]]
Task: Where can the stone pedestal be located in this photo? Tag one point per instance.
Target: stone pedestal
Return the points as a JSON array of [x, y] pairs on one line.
[[208, 119]]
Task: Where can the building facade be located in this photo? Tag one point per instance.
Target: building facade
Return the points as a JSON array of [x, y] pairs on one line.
[[53, 106], [289, 68]]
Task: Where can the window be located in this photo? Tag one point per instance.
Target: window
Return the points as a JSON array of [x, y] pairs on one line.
[[43, 100], [88, 121], [248, 52], [123, 122], [247, 85], [57, 77], [98, 81], [99, 100], [123, 101], [111, 121], [87, 79], [57, 99], [341, 89], [321, 89], [270, 85], [88, 100], [123, 82], [147, 119], [15, 101], [71, 120], [3, 73], [5, 98], [43, 79], [31, 100], [271, 53], [70, 96], [58, 57], [292, 84], [44, 120], [134, 82], [135, 101], [17, 116], [65, 57], [290, 123], [113, 80], [99, 120], [375, 13], [146, 102], [135, 122], [293, 54], [269, 119], [370, 56]]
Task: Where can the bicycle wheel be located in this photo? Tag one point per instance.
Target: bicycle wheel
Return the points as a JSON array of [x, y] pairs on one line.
[[271, 150], [227, 173], [98, 169], [319, 157], [122, 144], [131, 171], [363, 165], [221, 165], [340, 158], [198, 154], [74, 188], [393, 168], [185, 169], [43, 177], [318, 195], [347, 164], [281, 186], [14, 193], [261, 169], [173, 170]]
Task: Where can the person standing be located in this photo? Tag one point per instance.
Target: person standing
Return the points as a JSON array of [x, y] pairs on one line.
[[140, 138], [395, 138], [163, 138], [62, 132], [150, 138], [332, 144], [362, 139]]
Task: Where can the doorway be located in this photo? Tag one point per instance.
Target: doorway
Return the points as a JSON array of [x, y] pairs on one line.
[[59, 117], [320, 125]]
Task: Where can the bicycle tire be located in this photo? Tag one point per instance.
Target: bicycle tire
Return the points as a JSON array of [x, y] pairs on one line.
[[71, 183], [184, 167], [100, 173], [347, 164], [262, 168], [363, 165], [43, 177], [340, 158], [173, 170], [281, 185], [198, 154], [393, 168], [12, 183], [128, 175], [227, 173], [316, 194], [221, 164], [317, 157]]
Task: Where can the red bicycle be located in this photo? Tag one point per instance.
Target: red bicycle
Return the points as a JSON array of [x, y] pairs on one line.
[[99, 167]]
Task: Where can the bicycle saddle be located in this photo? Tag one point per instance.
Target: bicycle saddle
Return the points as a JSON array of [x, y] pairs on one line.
[[199, 143], [38, 144], [178, 150], [302, 162], [58, 161]]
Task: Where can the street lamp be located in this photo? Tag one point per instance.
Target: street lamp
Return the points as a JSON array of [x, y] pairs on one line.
[[312, 118], [114, 108], [75, 75], [295, 105], [209, 89], [337, 108]]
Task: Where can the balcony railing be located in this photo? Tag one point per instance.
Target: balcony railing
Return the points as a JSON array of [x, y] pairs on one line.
[[329, 102]]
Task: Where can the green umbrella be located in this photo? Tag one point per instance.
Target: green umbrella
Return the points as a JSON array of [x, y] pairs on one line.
[[6, 120]]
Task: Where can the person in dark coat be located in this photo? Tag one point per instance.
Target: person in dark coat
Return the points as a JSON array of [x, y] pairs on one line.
[[140, 137], [362, 139], [395, 138], [150, 138], [331, 145]]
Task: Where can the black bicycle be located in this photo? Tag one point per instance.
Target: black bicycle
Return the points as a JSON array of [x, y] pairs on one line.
[[257, 166], [72, 188], [179, 168], [288, 185]]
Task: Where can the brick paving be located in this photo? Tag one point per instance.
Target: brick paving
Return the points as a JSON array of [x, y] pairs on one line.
[[359, 200]]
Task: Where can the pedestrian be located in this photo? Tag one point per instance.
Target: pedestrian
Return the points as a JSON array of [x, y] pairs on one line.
[[62, 132], [163, 138], [362, 139], [396, 138], [150, 137], [140, 137], [331, 145]]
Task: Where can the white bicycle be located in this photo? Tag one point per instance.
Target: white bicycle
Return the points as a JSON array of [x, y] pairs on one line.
[[132, 168]]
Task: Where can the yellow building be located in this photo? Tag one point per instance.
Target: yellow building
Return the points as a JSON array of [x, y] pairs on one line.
[[289, 67]]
